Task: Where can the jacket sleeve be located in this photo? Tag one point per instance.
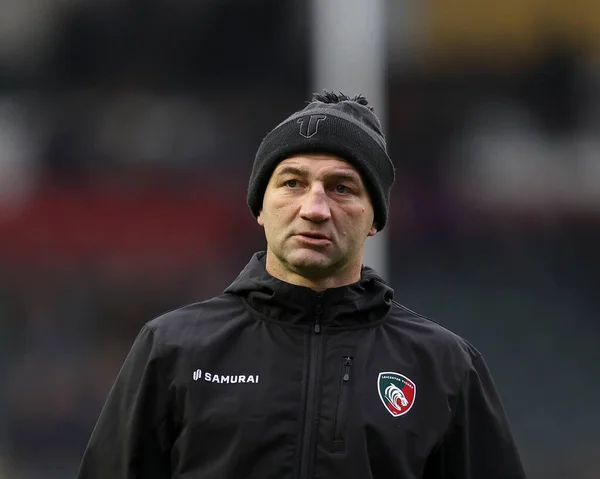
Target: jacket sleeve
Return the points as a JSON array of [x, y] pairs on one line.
[[129, 440], [478, 442]]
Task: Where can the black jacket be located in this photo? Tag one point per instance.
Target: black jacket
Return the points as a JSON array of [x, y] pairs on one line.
[[275, 381]]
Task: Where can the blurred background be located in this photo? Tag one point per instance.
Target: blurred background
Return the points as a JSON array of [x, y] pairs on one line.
[[127, 133]]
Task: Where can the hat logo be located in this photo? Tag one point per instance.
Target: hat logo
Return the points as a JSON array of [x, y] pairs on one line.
[[309, 125], [397, 392]]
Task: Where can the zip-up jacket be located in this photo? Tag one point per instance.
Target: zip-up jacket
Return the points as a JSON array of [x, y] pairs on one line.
[[274, 381]]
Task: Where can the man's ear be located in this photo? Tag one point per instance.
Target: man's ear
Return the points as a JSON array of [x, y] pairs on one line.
[[260, 220], [373, 230]]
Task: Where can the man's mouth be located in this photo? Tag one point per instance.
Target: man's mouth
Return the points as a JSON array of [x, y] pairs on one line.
[[313, 238], [311, 234]]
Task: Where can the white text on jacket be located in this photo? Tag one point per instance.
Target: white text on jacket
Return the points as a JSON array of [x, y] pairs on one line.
[[225, 379]]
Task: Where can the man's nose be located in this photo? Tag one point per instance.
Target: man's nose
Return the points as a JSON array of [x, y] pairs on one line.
[[315, 205]]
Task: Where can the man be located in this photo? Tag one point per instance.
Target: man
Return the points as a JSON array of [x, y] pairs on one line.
[[305, 367]]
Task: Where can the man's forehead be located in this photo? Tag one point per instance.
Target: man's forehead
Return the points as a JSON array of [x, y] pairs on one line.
[[309, 162]]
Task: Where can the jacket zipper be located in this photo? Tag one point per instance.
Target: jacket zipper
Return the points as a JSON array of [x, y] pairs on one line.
[[308, 437], [342, 405]]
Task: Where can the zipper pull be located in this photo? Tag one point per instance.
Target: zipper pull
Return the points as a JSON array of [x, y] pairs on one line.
[[318, 313], [347, 365]]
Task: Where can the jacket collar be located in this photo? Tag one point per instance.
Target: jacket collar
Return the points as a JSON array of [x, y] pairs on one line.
[[354, 306]]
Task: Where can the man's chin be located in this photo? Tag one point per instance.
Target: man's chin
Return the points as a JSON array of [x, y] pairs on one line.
[[311, 263]]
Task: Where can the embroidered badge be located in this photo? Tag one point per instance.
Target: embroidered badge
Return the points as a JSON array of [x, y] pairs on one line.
[[309, 125], [397, 392]]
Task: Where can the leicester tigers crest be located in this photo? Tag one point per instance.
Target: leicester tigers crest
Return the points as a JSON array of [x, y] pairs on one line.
[[397, 392]]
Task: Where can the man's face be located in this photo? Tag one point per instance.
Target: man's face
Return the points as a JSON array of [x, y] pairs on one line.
[[317, 215]]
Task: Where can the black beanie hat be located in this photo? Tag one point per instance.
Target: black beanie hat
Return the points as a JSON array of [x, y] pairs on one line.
[[330, 123]]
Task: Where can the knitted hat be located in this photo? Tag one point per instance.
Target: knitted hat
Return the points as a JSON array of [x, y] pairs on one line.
[[330, 123]]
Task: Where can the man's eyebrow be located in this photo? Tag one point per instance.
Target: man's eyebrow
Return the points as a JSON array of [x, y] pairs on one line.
[[291, 170], [345, 175]]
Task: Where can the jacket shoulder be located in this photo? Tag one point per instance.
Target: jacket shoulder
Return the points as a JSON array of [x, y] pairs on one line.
[[432, 335], [195, 319]]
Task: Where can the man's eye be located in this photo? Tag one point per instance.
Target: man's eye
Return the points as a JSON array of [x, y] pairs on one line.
[[291, 183], [342, 189]]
